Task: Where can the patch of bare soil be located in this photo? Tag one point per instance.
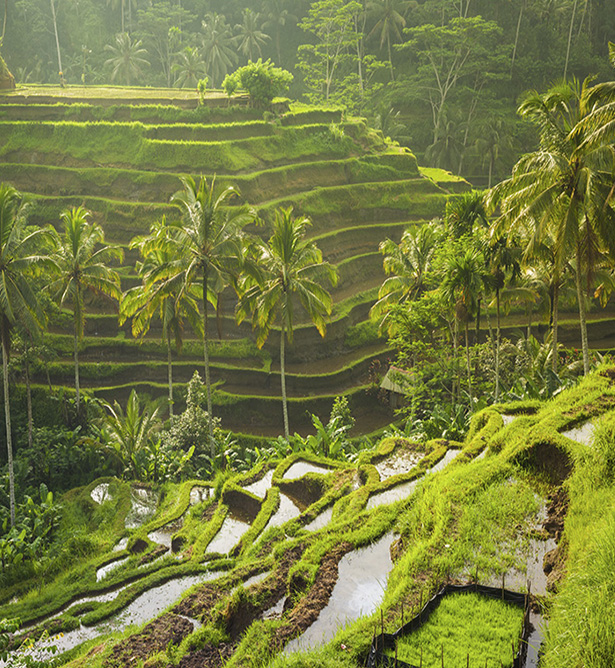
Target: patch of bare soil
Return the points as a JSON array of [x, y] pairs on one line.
[[210, 656], [155, 637], [554, 563], [304, 491], [307, 610], [154, 554]]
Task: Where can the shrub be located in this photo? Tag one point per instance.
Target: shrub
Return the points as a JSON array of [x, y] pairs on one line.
[[262, 80]]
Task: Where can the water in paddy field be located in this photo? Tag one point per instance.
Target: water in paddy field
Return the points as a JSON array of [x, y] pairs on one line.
[[534, 641], [286, 511], [359, 590], [260, 487], [398, 463], [584, 433], [320, 521], [100, 493], [103, 571], [230, 532], [120, 545], [144, 608], [507, 419], [143, 507], [198, 494], [299, 469]]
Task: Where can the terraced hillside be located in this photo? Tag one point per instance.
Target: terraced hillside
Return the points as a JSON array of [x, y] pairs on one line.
[[122, 158], [306, 552]]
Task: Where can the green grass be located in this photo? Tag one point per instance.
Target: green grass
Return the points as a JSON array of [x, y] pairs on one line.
[[465, 625]]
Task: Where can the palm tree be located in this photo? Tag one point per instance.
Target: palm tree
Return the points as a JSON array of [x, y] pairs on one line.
[[566, 187], [390, 21], [278, 18], [159, 296], [81, 262], [218, 47], [250, 39], [19, 256], [291, 267], [461, 286], [407, 265], [190, 68], [206, 246], [126, 59]]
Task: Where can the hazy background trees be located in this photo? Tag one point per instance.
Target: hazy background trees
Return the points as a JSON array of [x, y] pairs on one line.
[[450, 74]]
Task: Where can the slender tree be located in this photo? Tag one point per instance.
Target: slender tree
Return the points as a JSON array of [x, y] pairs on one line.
[[81, 264], [250, 39], [126, 61], [207, 248], [291, 269], [161, 295], [218, 47], [389, 17], [20, 256]]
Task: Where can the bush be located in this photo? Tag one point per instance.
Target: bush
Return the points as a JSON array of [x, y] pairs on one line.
[[262, 80]]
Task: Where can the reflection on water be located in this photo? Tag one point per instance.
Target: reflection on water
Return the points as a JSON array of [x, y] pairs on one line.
[[584, 433], [359, 590], [100, 493], [143, 506], [230, 532], [103, 571], [260, 487], [398, 463], [299, 469], [287, 510], [321, 520]]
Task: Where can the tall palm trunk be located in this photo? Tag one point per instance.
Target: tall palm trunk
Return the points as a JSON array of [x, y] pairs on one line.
[[555, 308], [514, 53], [497, 345], [29, 400], [283, 381], [210, 423], [76, 356], [390, 58], [574, 11], [6, 11], [7, 420], [55, 30], [170, 375], [582, 313], [468, 365]]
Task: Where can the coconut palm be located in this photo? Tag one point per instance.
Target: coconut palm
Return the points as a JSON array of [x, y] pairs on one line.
[[160, 296], [81, 265], [565, 188], [389, 16], [126, 59], [249, 38], [190, 67], [278, 18], [407, 265], [291, 268], [206, 245], [218, 47], [19, 258]]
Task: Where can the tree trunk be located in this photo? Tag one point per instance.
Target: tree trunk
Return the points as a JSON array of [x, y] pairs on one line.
[[55, 29], [468, 365], [29, 401], [283, 381], [477, 334], [582, 314], [76, 355], [456, 381], [555, 308], [7, 420], [170, 376], [390, 58], [574, 11], [497, 345], [6, 12], [206, 361], [514, 53]]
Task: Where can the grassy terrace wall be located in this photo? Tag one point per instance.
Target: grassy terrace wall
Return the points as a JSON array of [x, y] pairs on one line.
[[121, 153]]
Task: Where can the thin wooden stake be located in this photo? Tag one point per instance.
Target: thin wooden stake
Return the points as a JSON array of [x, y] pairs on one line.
[[421, 609], [442, 654], [502, 586], [468, 660], [402, 613], [396, 653], [512, 642], [382, 624], [421, 663]]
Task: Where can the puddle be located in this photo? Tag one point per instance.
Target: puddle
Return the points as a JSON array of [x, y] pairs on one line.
[[396, 464], [199, 494], [103, 571], [260, 487], [321, 520], [144, 502], [164, 535], [230, 532], [534, 641], [120, 545], [404, 490], [299, 469], [288, 510], [143, 609], [507, 419], [359, 590], [100, 493], [276, 610], [584, 433]]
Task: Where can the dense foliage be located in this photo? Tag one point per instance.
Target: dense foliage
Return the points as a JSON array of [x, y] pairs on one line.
[[438, 75]]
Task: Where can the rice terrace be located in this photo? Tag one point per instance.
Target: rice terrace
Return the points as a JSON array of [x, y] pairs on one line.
[[280, 390]]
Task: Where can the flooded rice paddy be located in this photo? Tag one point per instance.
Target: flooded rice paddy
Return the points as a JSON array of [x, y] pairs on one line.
[[301, 468]]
